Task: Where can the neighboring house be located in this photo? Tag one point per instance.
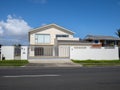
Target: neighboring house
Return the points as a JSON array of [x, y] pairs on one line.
[[51, 40], [104, 41]]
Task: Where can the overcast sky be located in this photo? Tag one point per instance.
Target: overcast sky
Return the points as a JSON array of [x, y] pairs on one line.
[[97, 17]]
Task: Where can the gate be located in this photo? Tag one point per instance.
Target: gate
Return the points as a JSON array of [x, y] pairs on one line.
[[64, 51], [17, 52]]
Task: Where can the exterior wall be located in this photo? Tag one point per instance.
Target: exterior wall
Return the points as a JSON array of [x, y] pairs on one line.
[[31, 51], [24, 52], [52, 32], [7, 52], [86, 52]]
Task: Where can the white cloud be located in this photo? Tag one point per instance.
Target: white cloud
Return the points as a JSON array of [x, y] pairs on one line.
[[1, 31], [14, 28]]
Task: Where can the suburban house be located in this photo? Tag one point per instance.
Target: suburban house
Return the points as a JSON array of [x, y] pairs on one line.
[[51, 41], [54, 41]]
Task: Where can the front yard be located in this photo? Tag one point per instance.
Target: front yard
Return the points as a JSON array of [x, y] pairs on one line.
[[13, 62], [98, 62]]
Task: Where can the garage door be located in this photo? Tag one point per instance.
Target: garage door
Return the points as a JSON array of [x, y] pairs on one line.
[[64, 51]]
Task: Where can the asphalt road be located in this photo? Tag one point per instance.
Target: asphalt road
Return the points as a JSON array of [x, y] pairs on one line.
[[83, 78]]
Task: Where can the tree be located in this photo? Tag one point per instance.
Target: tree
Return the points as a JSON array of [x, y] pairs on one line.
[[118, 32]]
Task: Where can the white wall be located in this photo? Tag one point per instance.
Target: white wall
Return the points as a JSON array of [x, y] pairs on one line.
[[86, 52], [7, 52], [24, 52]]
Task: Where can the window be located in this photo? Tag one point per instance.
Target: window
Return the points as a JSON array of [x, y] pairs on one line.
[[42, 38], [62, 35]]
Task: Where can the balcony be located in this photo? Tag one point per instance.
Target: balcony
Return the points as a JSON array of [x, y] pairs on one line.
[[67, 39]]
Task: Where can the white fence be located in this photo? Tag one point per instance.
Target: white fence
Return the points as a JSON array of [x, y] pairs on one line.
[[86, 53], [75, 52], [9, 52], [24, 52]]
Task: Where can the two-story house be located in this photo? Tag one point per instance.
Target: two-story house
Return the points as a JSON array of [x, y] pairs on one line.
[[105, 41], [47, 41]]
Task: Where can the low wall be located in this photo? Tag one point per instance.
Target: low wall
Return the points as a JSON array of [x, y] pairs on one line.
[[24, 52], [7, 52], [86, 52]]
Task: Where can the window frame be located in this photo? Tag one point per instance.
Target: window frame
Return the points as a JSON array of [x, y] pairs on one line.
[[61, 35], [43, 39]]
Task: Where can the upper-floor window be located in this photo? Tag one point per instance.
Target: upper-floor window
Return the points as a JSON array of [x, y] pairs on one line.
[[62, 35], [42, 38]]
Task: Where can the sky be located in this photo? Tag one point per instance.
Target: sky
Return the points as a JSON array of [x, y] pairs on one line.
[[96, 17]]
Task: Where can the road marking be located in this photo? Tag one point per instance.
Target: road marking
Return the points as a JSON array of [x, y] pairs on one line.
[[46, 75]]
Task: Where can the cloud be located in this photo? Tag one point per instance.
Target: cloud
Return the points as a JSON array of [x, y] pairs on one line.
[[1, 31], [14, 27]]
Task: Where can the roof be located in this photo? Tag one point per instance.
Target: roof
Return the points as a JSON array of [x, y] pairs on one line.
[[51, 26], [100, 37]]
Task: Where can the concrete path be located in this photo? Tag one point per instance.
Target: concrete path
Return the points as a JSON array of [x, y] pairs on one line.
[[52, 63]]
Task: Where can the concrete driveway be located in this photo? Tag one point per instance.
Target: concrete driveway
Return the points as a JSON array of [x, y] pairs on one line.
[[52, 63]]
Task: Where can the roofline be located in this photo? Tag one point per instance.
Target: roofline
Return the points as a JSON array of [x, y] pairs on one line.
[[51, 25], [114, 38]]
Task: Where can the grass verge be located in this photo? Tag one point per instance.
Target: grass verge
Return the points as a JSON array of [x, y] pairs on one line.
[[13, 62], [98, 62]]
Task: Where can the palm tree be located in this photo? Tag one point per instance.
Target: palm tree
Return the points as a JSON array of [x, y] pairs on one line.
[[118, 32]]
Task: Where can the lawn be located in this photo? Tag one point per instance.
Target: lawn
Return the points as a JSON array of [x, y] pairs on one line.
[[98, 62], [13, 62]]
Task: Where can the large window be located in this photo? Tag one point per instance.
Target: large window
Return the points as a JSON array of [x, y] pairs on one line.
[[42, 38], [61, 35]]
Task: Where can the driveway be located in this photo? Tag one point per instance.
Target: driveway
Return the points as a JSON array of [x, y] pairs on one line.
[[52, 63]]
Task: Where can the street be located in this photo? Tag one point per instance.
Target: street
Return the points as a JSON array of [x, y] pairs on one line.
[[75, 78]]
